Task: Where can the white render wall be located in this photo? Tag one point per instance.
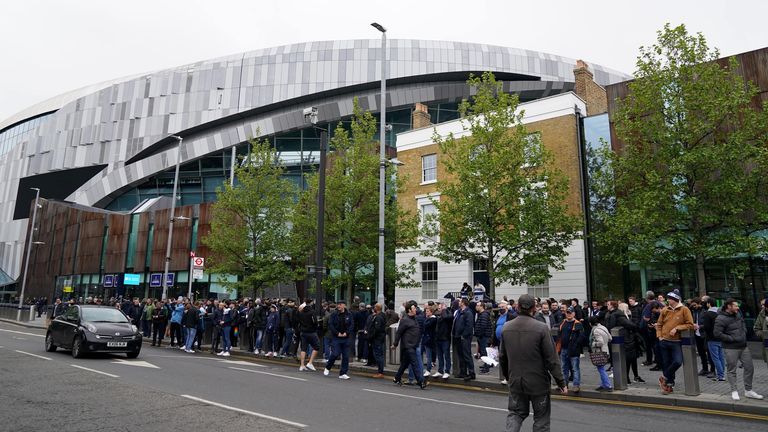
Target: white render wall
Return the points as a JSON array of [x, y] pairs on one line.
[[567, 283]]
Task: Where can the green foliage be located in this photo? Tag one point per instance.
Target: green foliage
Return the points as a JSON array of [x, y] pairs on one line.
[[690, 179], [351, 212], [503, 200], [249, 234]]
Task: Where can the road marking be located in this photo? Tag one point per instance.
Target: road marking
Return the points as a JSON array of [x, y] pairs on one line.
[[95, 371], [255, 414], [19, 338], [22, 333], [268, 373], [138, 363], [438, 400], [33, 355], [242, 362]]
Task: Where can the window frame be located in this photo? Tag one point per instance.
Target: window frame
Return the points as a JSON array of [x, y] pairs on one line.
[[430, 169]]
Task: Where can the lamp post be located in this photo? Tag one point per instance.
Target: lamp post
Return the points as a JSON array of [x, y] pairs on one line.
[[29, 251], [382, 160], [310, 115], [172, 218]]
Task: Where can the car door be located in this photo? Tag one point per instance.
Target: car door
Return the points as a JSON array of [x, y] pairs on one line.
[[69, 326]]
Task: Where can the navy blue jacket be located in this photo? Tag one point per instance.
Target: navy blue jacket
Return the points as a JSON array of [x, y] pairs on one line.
[[428, 336], [334, 324], [483, 325], [463, 324]]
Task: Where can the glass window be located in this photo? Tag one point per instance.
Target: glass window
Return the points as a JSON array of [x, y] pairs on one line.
[[133, 236], [540, 291], [429, 280], [429, 168], [193, 243]]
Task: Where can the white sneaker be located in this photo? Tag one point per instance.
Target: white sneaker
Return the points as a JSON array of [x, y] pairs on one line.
[[189, 351], [326, 372], [226, 354], [426, 373], [220, 353], [504, 382], [344, 377], [753, 395], [302, 368], [311, 367], [183, 348], [610, 375], [735, 395], [446, 375], [436, 374]]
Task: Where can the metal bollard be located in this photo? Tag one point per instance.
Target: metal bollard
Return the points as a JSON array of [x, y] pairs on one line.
[[618, 359], [765, 347], [690, 367], [394, 354]]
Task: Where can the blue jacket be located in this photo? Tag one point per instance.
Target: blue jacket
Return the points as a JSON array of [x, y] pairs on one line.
[[428, 337], [177, 314], [334, 324], [273, 321], [463, 324]]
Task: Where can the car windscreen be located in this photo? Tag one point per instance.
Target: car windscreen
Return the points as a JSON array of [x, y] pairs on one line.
[[103, 315]]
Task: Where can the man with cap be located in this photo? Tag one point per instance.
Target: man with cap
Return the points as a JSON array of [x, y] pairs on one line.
[[527, 357], [341, 327], [673, 320], [571, 342]]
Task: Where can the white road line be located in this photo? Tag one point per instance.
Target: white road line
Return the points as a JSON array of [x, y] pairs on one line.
[[23, 333], [267, 373], [95, 371], [255, 414], [438, 400], [243, 363], [33, 355]]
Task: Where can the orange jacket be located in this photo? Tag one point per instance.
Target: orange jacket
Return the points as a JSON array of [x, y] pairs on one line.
[[679, 318]]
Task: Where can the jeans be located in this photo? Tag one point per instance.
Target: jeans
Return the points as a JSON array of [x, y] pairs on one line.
[[569, 363], [287, 342], [410, 359], [428, 351], [444, 357], [419, 369], [732, 357], [191, 332], [482, 344], [716, 354], [327, 347], [378, 354], [225, 331], [466, 363], [519, 408], [605, 382], [671, 359], [259, 339], [340, 348]]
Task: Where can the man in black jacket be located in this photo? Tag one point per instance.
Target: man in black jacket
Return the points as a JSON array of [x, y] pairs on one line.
[[463, 326], [408, 331], [730, 329], [307, 326], [483, 330], [443, 337], [527, 357], [714, 346], [376, 333]]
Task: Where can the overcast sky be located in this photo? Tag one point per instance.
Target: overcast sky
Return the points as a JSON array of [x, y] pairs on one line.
[[51, 47]]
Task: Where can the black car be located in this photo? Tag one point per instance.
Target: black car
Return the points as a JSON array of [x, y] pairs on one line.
[[90, 328]]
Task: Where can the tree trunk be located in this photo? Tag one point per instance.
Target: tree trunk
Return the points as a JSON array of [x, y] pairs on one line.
[[491, 278], [701, 276]]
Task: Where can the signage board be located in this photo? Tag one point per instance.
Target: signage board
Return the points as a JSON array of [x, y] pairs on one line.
[[198, 262], [131, 279], [109, 281], [197, 273], [156, 280], [169, 280]]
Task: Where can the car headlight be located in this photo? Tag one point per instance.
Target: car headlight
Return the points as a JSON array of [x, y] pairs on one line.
[[134, 328], [91, 328]]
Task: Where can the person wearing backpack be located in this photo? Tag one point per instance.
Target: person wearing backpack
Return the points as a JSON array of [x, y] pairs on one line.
[[570, 345]]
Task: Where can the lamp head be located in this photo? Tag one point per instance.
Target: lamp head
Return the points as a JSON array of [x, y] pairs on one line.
[[379, 27]]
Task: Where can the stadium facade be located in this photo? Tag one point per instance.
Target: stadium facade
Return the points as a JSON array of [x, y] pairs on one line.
[[98, 154]]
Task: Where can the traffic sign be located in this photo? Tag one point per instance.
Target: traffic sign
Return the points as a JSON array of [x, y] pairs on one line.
[[198, 262], [197, 273], [169, 279], [109, 281]]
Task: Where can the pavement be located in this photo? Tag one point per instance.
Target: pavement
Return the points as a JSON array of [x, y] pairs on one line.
[[714, 398]]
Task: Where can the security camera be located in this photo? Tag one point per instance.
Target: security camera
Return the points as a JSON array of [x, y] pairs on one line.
[[310, 115]]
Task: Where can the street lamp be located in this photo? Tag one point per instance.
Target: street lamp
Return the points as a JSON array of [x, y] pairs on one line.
[[310, 115], [172, 219], [30, 243], [382, 159]]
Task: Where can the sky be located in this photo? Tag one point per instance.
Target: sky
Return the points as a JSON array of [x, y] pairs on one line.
[[54, 46]]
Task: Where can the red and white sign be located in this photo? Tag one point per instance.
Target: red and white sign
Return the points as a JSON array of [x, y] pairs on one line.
[[198, 262], [191, 254]]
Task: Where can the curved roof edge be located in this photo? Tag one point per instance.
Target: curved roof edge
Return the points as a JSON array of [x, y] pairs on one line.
[[56, 102]]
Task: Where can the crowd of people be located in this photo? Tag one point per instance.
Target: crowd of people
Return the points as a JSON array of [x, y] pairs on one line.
[[429, 333]]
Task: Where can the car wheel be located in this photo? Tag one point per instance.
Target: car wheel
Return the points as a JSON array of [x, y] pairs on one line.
[[77, 347], [133, 354], [49, 346]]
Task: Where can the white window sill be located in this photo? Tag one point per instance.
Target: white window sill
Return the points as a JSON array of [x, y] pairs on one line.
[[429, 182]]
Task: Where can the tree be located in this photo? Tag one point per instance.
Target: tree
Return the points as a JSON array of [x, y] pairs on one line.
[[249, 233], [504, 200], [352, 209], [690, 178]]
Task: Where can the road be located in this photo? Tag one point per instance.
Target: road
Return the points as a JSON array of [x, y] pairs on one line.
[[166, 390]]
